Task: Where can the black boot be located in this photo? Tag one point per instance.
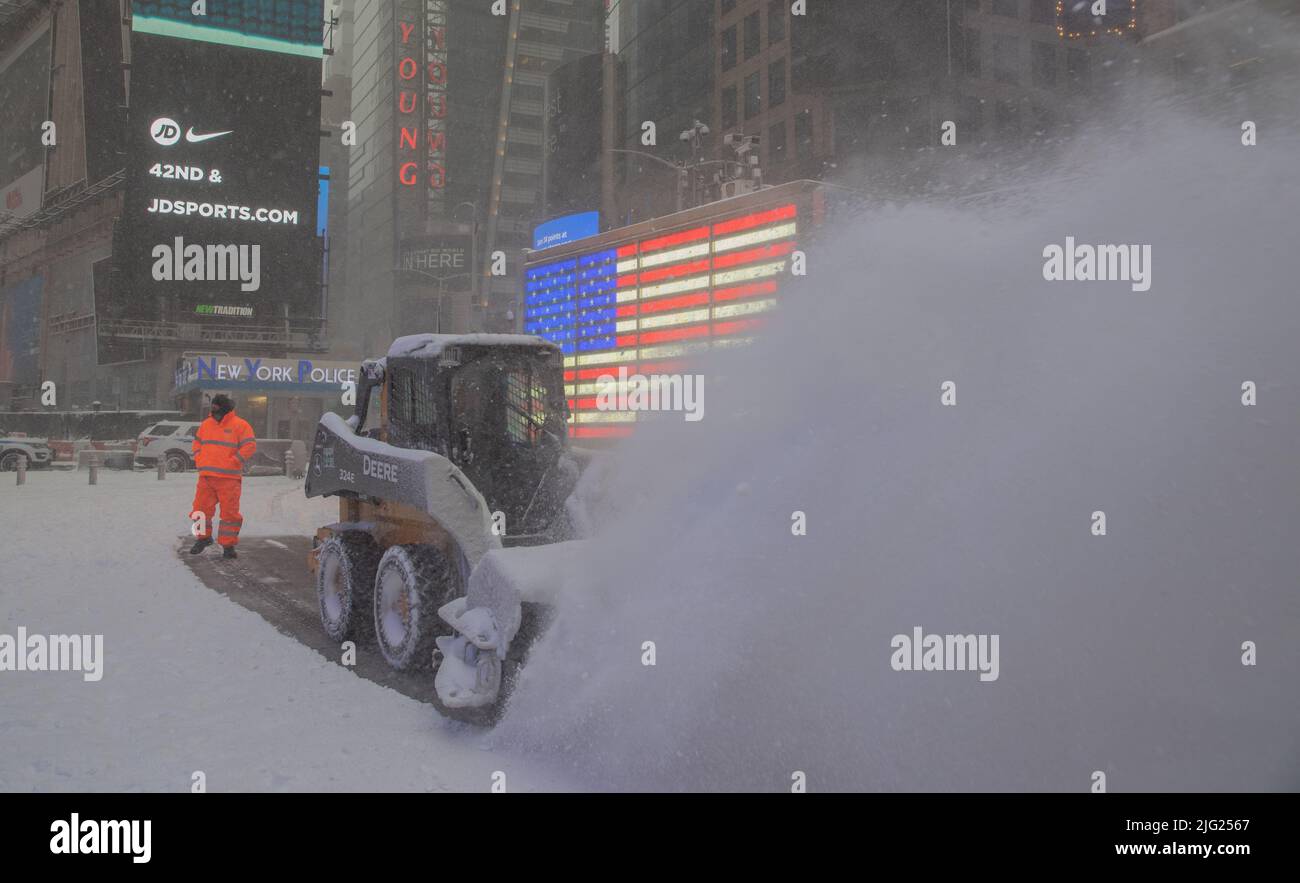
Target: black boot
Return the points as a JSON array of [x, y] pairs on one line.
[[229, 552], [200, 545]]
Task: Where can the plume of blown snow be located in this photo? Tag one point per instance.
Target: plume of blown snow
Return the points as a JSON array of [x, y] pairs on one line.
[[1119, 653]]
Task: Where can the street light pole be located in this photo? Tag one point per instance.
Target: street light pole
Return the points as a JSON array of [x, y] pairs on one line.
[[476, 271], [442, 287], [680, 170]]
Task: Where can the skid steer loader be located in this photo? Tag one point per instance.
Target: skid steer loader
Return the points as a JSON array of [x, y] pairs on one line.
[[457, 453]]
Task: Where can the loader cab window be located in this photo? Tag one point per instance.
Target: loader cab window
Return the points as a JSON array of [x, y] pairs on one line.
[[507, 428], [528, 411], [412, 416]]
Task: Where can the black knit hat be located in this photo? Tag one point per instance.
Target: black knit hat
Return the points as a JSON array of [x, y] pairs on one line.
[[223, 402]]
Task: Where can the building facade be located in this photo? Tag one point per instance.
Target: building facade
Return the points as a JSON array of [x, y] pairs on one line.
[[448, 100], [62, 190]]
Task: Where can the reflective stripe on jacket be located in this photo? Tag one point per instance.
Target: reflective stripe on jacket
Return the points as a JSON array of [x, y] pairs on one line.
[[223, 448]]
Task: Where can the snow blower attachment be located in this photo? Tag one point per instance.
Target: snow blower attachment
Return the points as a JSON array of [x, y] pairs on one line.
[[465, 459]]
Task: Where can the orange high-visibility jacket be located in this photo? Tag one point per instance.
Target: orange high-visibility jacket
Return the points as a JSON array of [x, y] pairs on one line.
[[222, 449]]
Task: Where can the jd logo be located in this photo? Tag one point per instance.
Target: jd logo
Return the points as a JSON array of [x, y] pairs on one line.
[[166, 131]]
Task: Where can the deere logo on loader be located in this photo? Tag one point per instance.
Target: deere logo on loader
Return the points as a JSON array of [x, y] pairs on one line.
[[378, 469]]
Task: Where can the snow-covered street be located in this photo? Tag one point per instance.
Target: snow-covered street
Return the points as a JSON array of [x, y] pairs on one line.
[[191, 681]]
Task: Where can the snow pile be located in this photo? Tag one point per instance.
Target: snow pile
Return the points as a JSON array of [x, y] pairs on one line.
[[1119, 653]]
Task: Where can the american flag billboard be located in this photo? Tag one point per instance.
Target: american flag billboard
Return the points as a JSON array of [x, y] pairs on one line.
[[650, 302]]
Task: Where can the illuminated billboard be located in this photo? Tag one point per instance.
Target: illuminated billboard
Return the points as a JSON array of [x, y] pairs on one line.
[[420, 78], [1085, 18], [569, 228], [292, 27], [223, 184], [647, 305]]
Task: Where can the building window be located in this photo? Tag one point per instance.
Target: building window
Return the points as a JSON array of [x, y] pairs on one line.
[[728, 107], [972, 5], [1042, 12], [775, 21], [1009, 8], [803, 134], [752, 38], [1044, 120], [728, 5], [1076, 66], [776, 83], [1007, 117], [776, 143], [1044, 64], [753, 99], [1006, 59], [974, 115], [972, 53], [729, 48]]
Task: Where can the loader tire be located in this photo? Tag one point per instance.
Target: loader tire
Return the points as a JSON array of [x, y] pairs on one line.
[[412, 582], [345, 583], [488, 715], [536, 620]]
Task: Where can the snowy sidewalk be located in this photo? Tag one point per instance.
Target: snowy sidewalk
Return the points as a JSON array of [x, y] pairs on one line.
[[192, 681]]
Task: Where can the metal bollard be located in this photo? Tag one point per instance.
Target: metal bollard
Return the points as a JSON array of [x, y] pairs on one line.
[[288, 463], [94, 470], [22, 469], [162, 469]]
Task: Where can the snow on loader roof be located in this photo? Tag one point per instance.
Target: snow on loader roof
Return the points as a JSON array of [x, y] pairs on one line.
[[430, 346]]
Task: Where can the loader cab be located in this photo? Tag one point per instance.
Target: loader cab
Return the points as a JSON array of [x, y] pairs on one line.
[[498, 412]]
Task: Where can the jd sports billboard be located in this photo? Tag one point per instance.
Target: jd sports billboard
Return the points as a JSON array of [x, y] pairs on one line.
[[223, 179]]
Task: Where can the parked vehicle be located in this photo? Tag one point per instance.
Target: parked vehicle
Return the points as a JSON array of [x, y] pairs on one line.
[[14, 447], [170, 441]]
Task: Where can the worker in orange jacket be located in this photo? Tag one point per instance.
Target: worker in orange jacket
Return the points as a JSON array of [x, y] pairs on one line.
[[223, 444]]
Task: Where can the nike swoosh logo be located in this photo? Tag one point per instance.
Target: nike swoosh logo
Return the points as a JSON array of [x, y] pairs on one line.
[[193, 138]]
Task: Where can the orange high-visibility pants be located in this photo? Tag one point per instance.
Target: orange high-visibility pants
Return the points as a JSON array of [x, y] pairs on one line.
[[212, 490]]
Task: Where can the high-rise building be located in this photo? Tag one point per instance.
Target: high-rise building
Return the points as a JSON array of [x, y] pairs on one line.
[[336, 111], [61, 189], [665, 75], [449, 164]]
